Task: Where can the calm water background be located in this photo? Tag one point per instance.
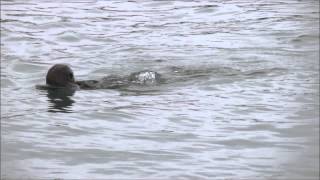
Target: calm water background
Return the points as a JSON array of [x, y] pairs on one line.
[[241, 101]]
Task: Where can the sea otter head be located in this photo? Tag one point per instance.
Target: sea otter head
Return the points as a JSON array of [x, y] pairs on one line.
[[60, 75]]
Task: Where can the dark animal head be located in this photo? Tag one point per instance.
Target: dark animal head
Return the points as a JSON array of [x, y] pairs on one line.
[[60, 75]]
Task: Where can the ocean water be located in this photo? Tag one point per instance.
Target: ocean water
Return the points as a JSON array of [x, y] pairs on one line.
[[241, 98]]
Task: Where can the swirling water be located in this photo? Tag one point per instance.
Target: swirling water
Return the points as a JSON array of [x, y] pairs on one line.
[[241, 101]]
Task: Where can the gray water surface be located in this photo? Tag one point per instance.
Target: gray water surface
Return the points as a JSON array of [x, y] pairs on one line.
[[241, 98]]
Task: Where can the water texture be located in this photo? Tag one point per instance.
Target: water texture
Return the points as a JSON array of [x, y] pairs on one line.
[[241, 97]]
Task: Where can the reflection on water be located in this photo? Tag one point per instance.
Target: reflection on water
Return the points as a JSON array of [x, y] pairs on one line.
[[59, 100], [240, 98]]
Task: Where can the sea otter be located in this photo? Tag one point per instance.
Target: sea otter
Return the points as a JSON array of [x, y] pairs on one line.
[[61, 76]]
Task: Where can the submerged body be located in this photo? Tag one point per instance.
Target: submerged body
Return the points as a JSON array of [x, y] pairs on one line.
[[115, 82], [61, 76]]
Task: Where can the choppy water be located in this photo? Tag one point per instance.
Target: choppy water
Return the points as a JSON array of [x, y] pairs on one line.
[[241, 101]]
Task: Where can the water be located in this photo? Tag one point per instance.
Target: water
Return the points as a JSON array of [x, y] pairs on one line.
[[241, 100]]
